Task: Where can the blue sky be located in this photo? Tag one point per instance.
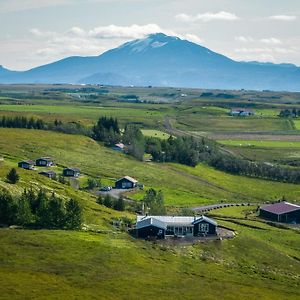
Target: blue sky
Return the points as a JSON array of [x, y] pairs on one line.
[[35, 32]]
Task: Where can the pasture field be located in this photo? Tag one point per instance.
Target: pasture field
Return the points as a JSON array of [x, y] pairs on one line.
[[155, 133], [89, 265], [182, 185], [261, 144]]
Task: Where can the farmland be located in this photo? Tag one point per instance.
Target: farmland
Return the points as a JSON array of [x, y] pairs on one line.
[[102, 261]]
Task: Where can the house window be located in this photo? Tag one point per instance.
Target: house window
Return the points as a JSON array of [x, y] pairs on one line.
[[204, 227]]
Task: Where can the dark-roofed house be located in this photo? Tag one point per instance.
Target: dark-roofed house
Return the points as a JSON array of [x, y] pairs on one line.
[[241, 112], [44, 162], [151, 227], [126, 182], [50, 174], [281, 212], [71, 172], [175, 226], [26, 164]]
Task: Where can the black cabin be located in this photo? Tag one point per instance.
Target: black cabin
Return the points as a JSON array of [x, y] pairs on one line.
[[44, 162], [26, 164], [49, 174], [71, 172], [126, 182]]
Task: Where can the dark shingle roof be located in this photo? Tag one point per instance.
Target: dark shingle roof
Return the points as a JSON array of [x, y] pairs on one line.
[[205, 219], [150, 221], [280, 208]]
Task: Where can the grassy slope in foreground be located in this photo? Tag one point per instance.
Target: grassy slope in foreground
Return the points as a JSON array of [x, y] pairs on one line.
[[182, 185], [58, 265]]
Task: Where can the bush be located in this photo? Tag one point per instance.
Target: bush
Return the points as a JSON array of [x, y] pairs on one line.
[[12, 176]]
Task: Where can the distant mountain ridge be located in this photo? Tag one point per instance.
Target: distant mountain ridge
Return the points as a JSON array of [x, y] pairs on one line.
[[162, 60]]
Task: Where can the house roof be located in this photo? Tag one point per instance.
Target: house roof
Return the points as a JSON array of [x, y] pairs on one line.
[[280, 208], [178, 220], [30, 162], [129, 179], [150, 221], [45, 158], [73, 169], [205, 219], [120, 145], [50, 172]]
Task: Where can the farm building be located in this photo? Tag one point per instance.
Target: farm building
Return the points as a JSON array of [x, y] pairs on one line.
[[281, 212], [49, 174], [120, 147], [44, 162], [26, 164], [162, 226], [71, 172], [126, 182], [241, 112]]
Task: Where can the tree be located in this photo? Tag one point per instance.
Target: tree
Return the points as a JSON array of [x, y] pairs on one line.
[[119, 204], [74, 215], [93, 183], [7, 208], [107, 201], [155, 202], [12, 176], [23, 214], [56, 212], [99, 200]]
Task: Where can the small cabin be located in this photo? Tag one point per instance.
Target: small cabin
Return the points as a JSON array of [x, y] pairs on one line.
[[120, 147], [44, 162], [26, 164], [71, 172], [49, 174], [241, 112], [281, 212], [174, 226], [126, 182]]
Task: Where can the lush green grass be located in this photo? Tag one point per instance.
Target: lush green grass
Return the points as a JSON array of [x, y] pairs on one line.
[[182, 185], [57, 265], [155, 133], [297, 124], [261, 144], [232, 124]]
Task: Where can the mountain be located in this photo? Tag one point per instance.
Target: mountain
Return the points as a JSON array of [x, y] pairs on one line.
[[162, 60]]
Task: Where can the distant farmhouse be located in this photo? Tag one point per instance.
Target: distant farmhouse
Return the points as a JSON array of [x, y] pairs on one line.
[[281, 212], [49, 174], [126, 182], [71, 172], [163, 226], [26, 164], [120, 147], [44, 162], [241, 112]]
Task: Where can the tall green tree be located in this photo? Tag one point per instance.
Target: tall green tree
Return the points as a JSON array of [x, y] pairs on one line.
[[12, 176], [23, 214], [74, 215], [56, 212], [8, 208], [119, 204]]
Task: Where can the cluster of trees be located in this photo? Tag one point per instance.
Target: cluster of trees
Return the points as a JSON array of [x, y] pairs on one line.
[[21, 122], [238, 166], [184, 150], [106, 130], [12, 176], [154, 202], [135, 140], [39, 210], [289, 113], [39, 124], [108, 201]]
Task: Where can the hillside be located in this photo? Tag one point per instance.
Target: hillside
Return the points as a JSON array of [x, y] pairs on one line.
[[182, 185], [162, 60]]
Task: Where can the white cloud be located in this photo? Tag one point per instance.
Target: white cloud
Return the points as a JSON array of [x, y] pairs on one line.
[[207, 17], [244, 39], [192, 38], [271, 41], [283, 18]]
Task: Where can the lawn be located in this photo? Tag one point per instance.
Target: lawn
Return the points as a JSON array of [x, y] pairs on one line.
[[261, 144], [155, 133]]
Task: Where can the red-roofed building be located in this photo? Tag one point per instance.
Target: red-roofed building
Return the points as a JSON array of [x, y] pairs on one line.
[[281, 212]]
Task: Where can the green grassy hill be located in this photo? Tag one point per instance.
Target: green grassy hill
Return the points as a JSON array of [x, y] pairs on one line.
[[182, 185]]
